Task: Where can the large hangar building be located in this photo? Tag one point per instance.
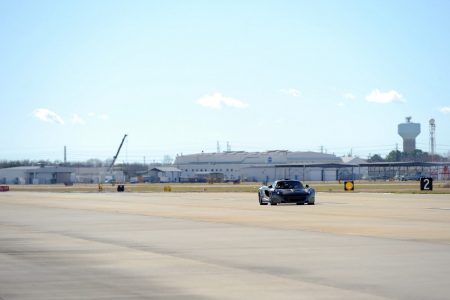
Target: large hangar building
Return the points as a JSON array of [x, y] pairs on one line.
[[262, 166], [35, 175]]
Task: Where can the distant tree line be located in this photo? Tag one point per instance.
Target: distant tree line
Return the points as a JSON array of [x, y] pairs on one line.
[[90, 163], [16, 163], [27, 162], [415, 156]]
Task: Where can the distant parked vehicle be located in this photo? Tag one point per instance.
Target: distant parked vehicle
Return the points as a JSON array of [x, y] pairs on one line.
[[411, 177]]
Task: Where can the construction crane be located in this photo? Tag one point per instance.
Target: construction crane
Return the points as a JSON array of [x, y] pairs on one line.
[[117, 154]]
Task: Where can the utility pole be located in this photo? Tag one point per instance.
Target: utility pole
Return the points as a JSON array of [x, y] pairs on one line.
[[65, 155]]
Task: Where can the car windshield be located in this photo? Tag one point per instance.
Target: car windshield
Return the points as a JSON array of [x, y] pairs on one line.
[[289, 185]]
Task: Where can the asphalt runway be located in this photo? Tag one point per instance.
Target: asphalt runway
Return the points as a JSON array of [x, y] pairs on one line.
[[223, 246]]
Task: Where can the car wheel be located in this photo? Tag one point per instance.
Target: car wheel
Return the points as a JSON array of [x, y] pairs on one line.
[[273, 203], [260, 200], [299, 203], [310, 203]]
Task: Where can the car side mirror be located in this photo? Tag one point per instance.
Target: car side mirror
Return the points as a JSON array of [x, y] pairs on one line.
[[270, 186], [307, 186]]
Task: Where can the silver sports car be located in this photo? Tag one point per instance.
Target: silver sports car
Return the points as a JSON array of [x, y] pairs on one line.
[[286, 191]]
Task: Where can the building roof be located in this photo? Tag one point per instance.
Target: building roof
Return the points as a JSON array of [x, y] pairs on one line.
[[24, 168], [50, 169], [319, 165], [268, 157], [404, 164], [166, 169], [353, 160]]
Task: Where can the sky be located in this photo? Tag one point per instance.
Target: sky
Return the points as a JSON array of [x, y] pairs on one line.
[[181, 76]]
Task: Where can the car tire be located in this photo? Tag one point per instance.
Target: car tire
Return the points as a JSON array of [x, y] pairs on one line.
[[273, 203], [299, 203], [311, 203], [260, 200]]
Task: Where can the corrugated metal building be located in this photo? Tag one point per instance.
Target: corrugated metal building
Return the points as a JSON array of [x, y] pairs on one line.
[[15, 175], [36, 175], [165, 174], [58, 174], [49, 175], [261, 166]]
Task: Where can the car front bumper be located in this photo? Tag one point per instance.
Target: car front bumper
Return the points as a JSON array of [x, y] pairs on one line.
[[292, 198]]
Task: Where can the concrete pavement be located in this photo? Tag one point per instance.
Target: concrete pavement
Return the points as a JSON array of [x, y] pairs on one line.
[[223, 246]]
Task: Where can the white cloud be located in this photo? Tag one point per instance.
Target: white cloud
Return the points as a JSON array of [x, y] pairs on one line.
[[341, 104], [445, 109], [101, 116], [217, 101], [47, 115], [349, 96], [291, 92], [76, 119], [385, 97]]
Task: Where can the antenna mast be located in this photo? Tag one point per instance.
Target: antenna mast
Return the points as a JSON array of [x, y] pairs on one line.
[[432, 137]]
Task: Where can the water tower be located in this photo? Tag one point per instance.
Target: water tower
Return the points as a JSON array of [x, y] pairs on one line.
[[409, 131]]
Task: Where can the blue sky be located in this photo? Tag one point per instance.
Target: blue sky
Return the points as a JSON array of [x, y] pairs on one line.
[[178, 76]]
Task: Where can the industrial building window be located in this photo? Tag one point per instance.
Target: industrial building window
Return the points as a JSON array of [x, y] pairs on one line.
[[192, 170], [231, 170], [212, 170], [227, 170]]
